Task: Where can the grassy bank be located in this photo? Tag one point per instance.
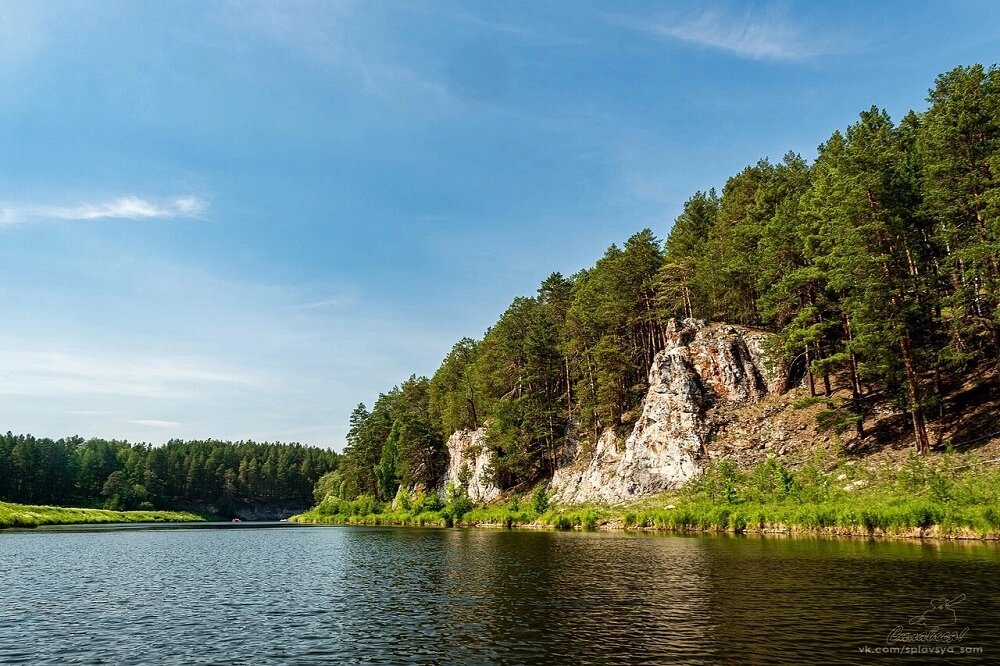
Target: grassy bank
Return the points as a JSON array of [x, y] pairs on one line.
[[943, 496], [24, 515]]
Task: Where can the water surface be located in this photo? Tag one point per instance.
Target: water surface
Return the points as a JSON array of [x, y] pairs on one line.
[[385, 595]]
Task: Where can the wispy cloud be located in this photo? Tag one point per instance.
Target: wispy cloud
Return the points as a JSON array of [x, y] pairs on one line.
[[532, 34], [332, 302], [348, 39], [44, 372], [124, 208], [154, 423], [758, 35]]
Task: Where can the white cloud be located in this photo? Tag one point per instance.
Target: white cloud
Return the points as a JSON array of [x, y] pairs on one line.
[[765, 35], [124, 208], [348, 39], [331, 302], [154, 423], [40, 372]]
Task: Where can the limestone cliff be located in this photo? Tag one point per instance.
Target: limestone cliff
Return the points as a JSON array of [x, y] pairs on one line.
[[702, 369], [467, 449]]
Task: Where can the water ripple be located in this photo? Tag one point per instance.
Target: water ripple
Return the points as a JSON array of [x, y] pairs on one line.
[[322, 595]]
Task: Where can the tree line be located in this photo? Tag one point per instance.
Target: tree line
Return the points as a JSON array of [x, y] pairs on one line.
[[180, 474], [876, 266]]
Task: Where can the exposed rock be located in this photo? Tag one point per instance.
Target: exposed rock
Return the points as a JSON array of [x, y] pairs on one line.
[[249, 512], [466, 448], [701, 369], [593, 480]]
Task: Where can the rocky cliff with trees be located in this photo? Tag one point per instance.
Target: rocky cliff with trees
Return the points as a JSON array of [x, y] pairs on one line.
[[873, 271]]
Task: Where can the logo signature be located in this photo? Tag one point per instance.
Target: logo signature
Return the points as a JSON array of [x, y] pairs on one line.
[[937, 624]]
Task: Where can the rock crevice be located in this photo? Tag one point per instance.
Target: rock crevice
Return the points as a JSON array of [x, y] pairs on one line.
[[469, 455], [701, 368]]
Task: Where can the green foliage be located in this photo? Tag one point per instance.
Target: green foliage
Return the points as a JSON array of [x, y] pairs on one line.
[[456, 509], [918, 495], [330, 484], [539, 500], [836, 420], [806, 402], [454, 393], [123, 476], [359, 506], [720, 481], [395, 444], [386, 475]]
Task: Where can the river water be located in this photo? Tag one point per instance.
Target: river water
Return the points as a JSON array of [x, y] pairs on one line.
[[302, 594]]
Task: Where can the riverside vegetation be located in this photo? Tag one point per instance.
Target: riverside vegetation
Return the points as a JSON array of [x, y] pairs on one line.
[[950, 496]]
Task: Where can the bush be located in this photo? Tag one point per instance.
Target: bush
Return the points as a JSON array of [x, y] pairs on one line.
[[540, 501], [361, 506], [768, 480], [720, 482], [940, 488], [457, 508], [402, 501], [427, 503]]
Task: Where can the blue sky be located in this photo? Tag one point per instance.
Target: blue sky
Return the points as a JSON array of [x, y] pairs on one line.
[[238, 220]]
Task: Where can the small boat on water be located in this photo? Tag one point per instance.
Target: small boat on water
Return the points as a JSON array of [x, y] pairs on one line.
[[236, 520]]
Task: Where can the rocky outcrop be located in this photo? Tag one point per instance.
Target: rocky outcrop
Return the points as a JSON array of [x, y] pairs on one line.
[[701, 369], [250, 512], [469, 455], [594, 480]]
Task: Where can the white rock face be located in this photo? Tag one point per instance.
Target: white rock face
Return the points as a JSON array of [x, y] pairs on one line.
[[701, 367], [595, 482], [466, 448]]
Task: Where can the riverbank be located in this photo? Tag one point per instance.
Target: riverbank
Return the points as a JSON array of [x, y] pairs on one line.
[[945, 496], [26, 515]]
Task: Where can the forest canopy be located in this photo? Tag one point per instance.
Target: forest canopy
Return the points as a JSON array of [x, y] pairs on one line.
[[181, 474]]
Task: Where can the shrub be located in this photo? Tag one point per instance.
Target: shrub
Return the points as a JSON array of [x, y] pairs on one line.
[[427, 502], [457, 508], [539, 500], [940, 488]]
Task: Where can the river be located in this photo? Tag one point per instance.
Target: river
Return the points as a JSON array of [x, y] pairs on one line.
[[298, 594]]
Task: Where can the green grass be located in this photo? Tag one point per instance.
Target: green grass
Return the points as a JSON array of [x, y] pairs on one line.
[[940, 496], [25, 515]]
